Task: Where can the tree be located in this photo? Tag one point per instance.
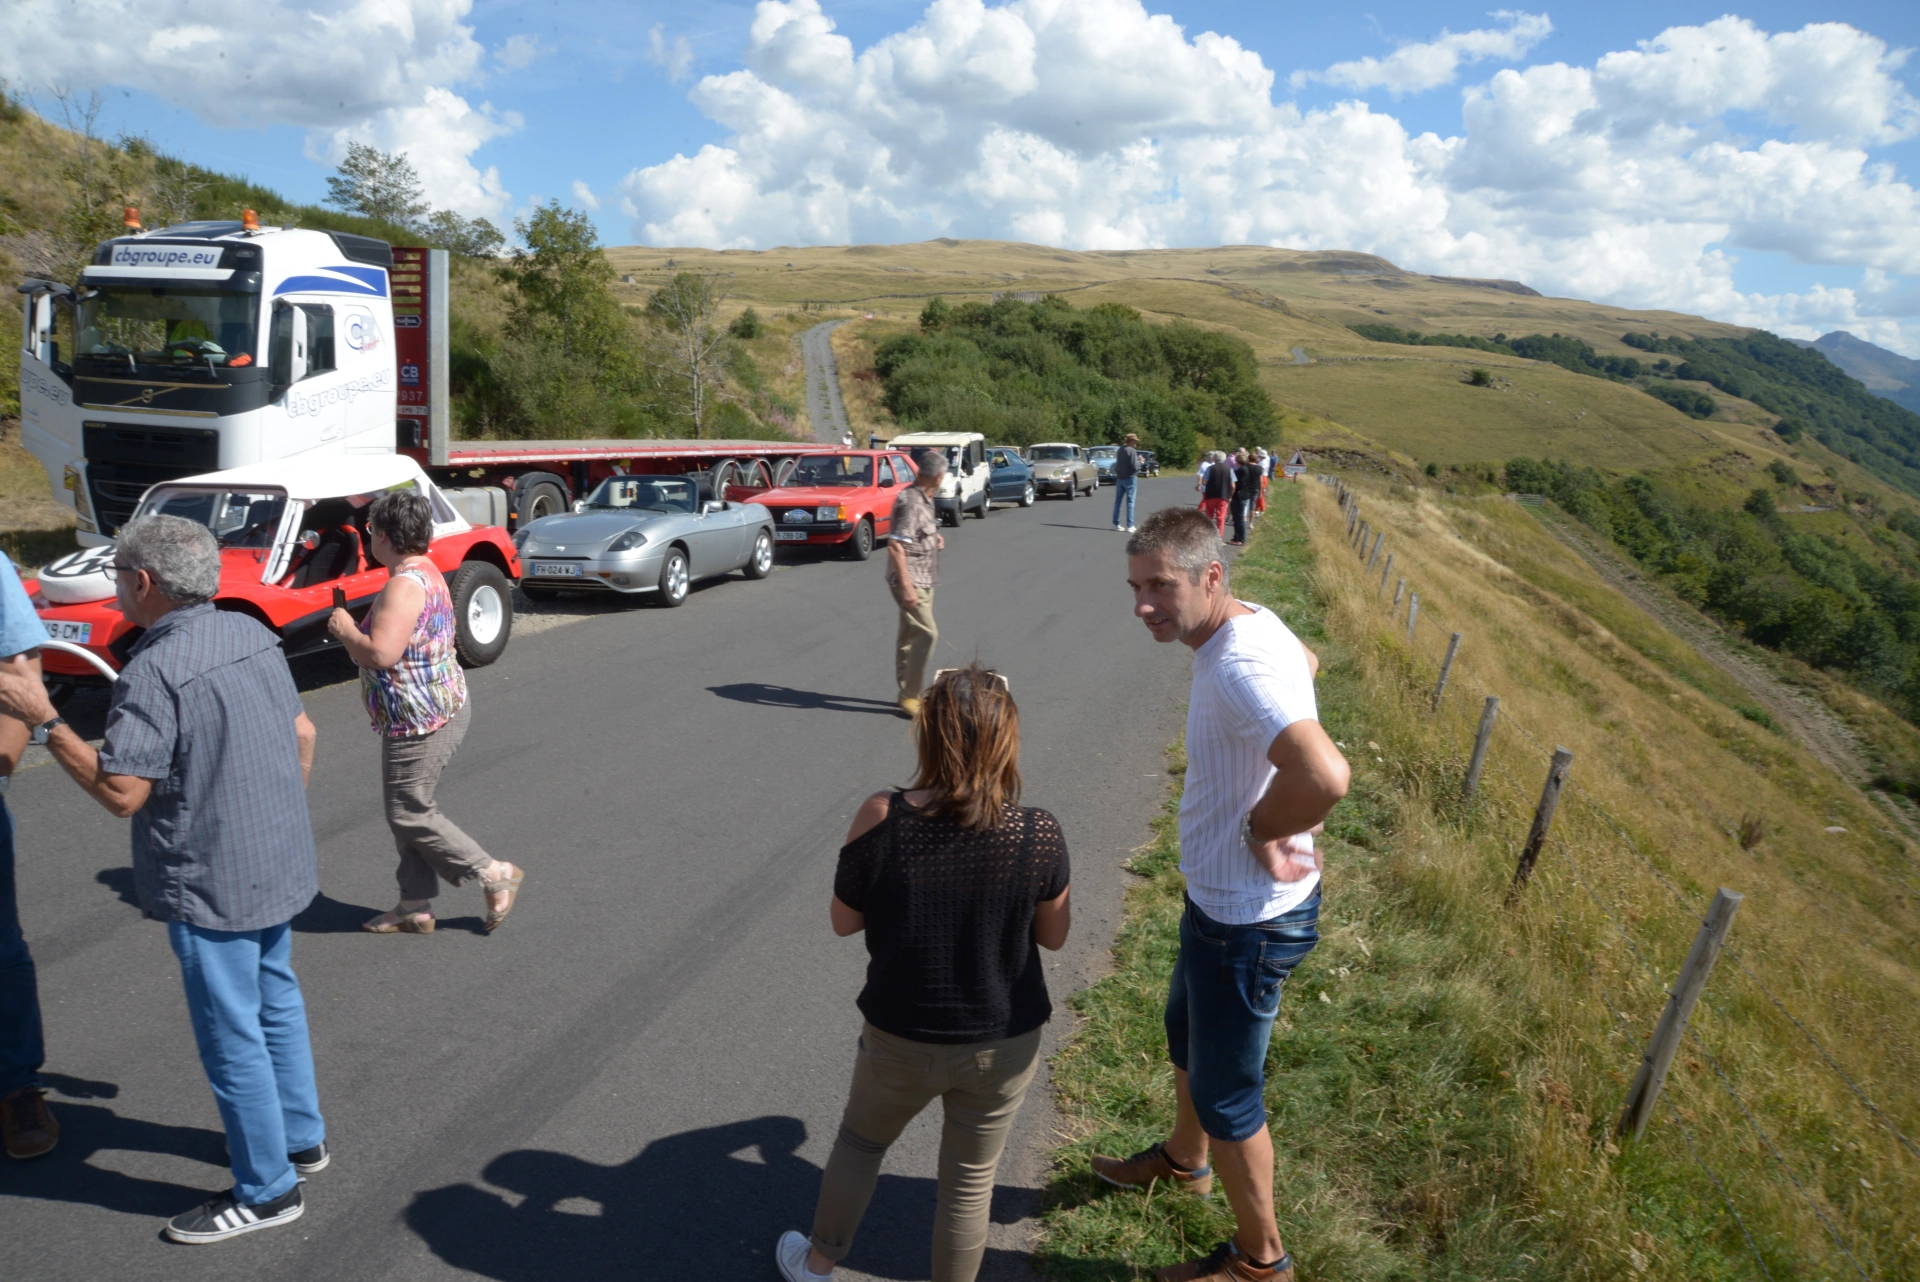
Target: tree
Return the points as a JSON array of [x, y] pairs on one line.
[[746, 325], [378, 184], [469, 237], [935, 315], [685, 308], [564, 281]]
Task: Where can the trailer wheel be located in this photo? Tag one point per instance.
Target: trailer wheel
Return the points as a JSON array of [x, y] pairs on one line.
[[482, 612], [542, 498]]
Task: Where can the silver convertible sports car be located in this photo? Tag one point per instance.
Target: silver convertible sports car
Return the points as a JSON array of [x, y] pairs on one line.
[[645, 534]]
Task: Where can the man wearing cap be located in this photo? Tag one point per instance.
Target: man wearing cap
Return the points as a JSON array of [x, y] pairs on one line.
[[25, 1119], [1126, 480]]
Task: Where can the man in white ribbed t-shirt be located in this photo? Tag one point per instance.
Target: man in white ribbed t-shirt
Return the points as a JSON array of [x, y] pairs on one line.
[[1261, 777]]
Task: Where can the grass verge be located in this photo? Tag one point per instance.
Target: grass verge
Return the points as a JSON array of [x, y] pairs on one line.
[[1444, 1075]]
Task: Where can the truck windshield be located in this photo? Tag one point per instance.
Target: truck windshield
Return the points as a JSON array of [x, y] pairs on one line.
[[168, 325], [238, 518], [854, 470]]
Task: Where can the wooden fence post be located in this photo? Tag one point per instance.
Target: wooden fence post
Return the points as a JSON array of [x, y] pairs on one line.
[[1542, 820], [1386, 572], [1413, 615], [1645, 1090], [1365, 527], [1399, 588], [1446, 666], [1378, 538], [1478, 761]]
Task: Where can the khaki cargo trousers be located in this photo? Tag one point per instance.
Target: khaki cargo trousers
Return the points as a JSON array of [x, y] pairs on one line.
[[913, 647], [980, 1085]]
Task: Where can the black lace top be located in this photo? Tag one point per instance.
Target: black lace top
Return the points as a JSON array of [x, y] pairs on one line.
[[950, 922]]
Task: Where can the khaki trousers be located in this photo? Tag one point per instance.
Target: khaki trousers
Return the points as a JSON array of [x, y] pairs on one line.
[[430, 845], [913, 648], [981, 1085]]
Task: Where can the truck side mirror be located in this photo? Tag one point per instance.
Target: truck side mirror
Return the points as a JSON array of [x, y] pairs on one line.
[[287, 347]]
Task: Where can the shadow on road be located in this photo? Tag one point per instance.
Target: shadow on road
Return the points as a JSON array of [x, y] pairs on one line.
[[767, 696], [707, 1203], [69, 1175]]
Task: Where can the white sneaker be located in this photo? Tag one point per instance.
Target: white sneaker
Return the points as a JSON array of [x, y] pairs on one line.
[[1129, 529], [791, 1252]]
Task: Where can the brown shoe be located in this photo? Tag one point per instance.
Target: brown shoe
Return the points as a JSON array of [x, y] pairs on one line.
[[1226, 1264], [27, 1123], [1148, 1165]]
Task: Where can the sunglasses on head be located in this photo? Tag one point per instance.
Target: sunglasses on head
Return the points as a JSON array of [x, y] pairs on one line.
[[998, 679]]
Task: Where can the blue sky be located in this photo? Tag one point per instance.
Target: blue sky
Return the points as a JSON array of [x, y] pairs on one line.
[[506, 102]]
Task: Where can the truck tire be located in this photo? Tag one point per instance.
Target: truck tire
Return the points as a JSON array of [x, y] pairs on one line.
[[541, 498], [482, 612], [760, 560], [673, 580], [860, 546]]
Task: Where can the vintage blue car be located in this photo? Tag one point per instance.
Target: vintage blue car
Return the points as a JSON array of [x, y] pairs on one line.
[[1010, 477], [1103, 457]]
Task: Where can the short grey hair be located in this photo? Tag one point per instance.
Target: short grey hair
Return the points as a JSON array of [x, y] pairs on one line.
[[181, 555], [930, 463], [1187, 536]]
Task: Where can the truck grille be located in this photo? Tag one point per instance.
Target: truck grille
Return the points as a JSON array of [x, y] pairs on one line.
[[124, 459]]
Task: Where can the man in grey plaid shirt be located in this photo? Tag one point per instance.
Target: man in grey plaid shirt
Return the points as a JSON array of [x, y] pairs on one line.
[[208, 749]]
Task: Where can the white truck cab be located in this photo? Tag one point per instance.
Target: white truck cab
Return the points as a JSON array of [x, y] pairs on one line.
[[202, 347], [967, 486]]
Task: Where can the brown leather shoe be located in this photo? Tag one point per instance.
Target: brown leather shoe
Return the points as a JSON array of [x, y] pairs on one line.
[[1148, 1165], [1226, 1264], [27, 1123]]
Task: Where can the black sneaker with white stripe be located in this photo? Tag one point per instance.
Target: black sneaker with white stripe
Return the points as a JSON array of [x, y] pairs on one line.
[[224, 1217]]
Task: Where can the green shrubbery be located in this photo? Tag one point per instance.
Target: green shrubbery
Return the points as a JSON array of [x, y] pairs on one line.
[[1023, 372], [1812, 596]]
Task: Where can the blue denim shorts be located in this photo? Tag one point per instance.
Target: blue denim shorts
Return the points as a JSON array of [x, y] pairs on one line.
[[1221, 1006]]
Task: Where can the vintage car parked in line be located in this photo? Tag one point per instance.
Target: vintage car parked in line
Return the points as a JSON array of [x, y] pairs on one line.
[[643, 534], [1102, 457], [1059, 467], [843, 499], [1009, 476], [290, 532], [964, 488], [1149, 463]]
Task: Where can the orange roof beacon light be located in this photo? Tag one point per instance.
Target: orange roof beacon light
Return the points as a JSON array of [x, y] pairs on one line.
[[131, 220], [249, 221]]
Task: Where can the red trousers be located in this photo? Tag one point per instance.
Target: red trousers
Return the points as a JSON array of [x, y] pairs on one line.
[[1217, 509]]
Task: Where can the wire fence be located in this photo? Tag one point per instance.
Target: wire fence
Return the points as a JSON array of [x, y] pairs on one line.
[[1458, 688]]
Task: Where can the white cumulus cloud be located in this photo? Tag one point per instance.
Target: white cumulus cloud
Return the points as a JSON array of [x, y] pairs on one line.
[[1414, 67], [676, 59], [584, 194], [378, 71], [1095, 124]]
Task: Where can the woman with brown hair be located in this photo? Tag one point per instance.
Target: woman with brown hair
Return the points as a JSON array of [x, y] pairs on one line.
[[957, 888]]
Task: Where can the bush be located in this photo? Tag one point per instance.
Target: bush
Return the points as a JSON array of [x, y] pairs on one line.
[[1689, 401], [1780, 472], [1479, 377], [747, 325]]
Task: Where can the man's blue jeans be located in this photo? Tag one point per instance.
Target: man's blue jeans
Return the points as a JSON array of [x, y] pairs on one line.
[[1221, 1006], [251, 1025], [22, 1047], [1123, 490]]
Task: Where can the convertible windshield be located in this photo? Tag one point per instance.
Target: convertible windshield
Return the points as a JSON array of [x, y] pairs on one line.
[[169, 325], [238, 518], [656, 493], [851, 470], [1050, 453]]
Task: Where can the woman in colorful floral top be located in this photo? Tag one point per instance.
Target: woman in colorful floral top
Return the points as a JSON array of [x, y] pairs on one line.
[[416, 695]]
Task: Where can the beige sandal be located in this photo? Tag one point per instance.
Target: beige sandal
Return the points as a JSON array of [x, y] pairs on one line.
[[417, 922], [512, 886]]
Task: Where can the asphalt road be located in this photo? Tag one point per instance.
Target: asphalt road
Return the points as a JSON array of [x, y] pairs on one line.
[[824, 406], [641, 1074]]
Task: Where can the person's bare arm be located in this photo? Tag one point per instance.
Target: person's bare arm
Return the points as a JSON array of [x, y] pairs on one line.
[[395, 612], [1312, 779], [23, 697], [1313, 661], [1052, 919], [303, 731], [845, 920], [13, 732]]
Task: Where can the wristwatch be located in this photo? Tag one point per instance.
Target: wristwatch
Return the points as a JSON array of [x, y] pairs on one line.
[[44, 731]]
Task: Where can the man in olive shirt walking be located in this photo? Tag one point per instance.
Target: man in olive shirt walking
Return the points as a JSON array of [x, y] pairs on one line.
[[913, 568], [207, 750]]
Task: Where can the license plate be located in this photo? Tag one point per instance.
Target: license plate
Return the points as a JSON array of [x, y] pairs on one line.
[[790, 536], [556, 570], [78, 633]]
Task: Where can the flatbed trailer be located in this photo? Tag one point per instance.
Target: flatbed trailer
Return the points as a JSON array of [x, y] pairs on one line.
[[541, 478]]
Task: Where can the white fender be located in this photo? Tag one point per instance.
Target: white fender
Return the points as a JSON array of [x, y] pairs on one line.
[[78, 577]]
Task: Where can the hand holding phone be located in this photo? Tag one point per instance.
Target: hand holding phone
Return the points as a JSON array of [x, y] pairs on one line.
[[339, 597]]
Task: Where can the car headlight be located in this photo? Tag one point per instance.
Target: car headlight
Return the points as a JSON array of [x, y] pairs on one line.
[[627, 542], [830, 514]]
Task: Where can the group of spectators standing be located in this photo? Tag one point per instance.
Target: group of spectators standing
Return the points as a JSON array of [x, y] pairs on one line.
[[955, 885], [1234, 485], [207, 749]]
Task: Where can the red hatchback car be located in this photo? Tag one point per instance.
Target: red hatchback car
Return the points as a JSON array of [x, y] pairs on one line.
[[292, 533], [843, 498]]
